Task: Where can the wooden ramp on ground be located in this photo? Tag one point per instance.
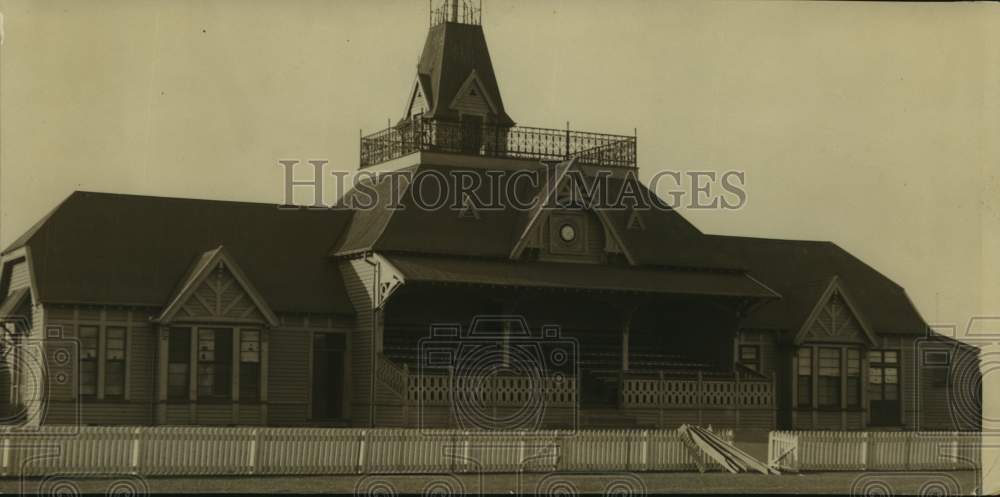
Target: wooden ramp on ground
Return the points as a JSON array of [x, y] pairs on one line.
[[727, 455]]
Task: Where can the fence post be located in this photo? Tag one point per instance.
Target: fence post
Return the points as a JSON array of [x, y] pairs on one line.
[[864, 451], [520, 453], [6, 453], [136, 448], [361, 451]]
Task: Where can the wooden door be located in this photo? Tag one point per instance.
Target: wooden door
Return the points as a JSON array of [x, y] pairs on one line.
[[328, 376], [472, 134], [883, 387]]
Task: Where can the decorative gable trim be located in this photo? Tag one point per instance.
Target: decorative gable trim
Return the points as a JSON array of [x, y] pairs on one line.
[[390, 279], [833, 290], [468, 210], [208, 263], [539, 214], [473, 83], [418, 86], [635, 222]]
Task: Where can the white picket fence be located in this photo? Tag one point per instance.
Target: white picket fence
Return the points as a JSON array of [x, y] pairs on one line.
[[163, 451], [873, 451]]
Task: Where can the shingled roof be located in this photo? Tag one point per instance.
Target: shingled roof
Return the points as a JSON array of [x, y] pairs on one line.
[[801, 270], [451, 53], [667, 240], [134, 250]]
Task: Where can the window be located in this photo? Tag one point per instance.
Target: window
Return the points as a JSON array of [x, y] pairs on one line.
[[936, 367], [804, 377], [828, 383], [114, 361], [567, 232], [178, 363], [249, 365], [883, 375], [750, 356], [853, 378], [214, 361], [111, 352], [88, 360], [936, 358]]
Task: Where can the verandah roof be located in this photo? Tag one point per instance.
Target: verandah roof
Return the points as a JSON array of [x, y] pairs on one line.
[[579, 277], [12, 303]]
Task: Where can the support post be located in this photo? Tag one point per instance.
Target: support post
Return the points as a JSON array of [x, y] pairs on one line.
[[265, 359], [405, 391], [162, 352], [567, 141], [772, 405], [625, 340], [701, 396], [661, 397]]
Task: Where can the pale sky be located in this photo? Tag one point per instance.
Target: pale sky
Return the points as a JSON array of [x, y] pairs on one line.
[[872, 125]]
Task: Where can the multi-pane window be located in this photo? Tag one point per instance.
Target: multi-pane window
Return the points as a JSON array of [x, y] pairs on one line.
[[89, 346], [109, 350], [828, 383], [179, 363], [249, 365], [936, 367], [883, 375], [804, 377], [214, 361], [114, 361], [750, 357], [853, 377]]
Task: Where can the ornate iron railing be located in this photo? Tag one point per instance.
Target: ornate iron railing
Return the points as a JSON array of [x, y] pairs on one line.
[[496, 141]]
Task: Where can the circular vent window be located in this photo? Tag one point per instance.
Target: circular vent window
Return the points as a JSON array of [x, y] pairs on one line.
[[567, 232]]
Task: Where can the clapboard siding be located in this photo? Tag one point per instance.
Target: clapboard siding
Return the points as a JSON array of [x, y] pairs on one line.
[[768, 348], [250, 414], [19, 276], [472, 100], [358, 279], [284, 414], [179, 413], [288, 369], [30, 384], [214, 414], [907, 375], [142, 362], [98, 413], [290, 356]]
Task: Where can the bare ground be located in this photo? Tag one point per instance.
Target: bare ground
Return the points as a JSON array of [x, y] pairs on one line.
[[908, 483]]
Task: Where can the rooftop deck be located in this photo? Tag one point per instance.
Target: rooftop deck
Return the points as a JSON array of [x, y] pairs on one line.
[[516, 142]]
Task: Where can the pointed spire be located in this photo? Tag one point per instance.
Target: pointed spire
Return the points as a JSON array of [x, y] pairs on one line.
[[455, 74]]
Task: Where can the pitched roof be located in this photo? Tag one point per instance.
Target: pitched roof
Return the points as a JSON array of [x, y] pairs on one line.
[[801, 272], [451, 53], [200, 271], [135, 250], [580, 276], [13, 302], [667, 240]]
